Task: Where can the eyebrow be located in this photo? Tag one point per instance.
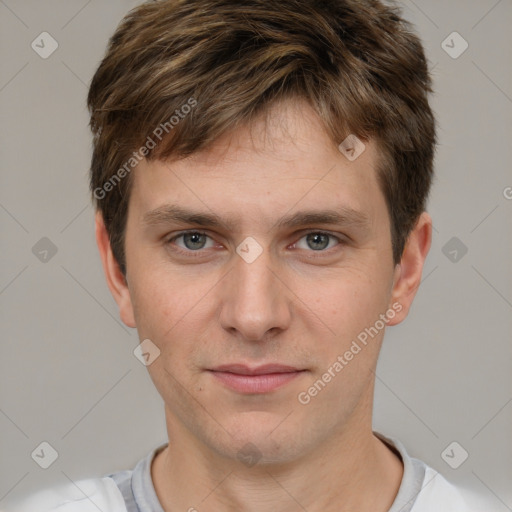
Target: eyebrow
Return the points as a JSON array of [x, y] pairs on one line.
[[168, 214], [344, 216]]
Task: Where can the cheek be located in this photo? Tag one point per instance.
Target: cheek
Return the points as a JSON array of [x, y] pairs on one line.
[[174, 311], [164, 316], [160, 302], [346, 302]]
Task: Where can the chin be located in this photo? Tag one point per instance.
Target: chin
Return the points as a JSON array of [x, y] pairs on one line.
[[262, 440]]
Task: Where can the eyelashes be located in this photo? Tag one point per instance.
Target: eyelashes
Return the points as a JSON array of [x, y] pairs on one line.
[[319, 239], [194, 243]]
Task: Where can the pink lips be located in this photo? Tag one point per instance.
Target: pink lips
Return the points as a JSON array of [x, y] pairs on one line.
[[260, 379]]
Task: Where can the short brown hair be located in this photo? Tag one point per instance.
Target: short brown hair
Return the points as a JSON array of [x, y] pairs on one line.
[[356, 62]]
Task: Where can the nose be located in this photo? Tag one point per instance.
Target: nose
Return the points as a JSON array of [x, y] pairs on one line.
[[255, 302]]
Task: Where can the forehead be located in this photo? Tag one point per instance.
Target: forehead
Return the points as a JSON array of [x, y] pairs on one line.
[[290, 130], [283, 159]]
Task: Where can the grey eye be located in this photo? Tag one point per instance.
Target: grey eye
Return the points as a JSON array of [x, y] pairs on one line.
[[317, 241], [194, 241]]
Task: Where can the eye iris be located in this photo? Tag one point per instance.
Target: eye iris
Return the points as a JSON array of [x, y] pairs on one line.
[[194, 240], [317, 241]]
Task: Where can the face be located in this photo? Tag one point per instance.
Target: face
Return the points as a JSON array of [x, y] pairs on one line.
[[262, 270]]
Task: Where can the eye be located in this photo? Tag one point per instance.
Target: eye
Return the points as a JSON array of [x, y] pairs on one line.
[[192, 241], [317, 241]]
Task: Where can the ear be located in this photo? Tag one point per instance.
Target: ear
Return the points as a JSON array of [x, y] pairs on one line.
[[407, 275], [115, 278]]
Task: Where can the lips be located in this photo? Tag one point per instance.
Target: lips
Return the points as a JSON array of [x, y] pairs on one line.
[[255, 380], [242, 369]]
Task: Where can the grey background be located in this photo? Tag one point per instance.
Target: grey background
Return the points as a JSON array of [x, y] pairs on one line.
[[68, 375]]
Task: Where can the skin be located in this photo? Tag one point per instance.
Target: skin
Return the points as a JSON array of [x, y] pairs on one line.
[[293, 305]]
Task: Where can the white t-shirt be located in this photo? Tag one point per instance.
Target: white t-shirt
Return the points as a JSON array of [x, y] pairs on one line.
[[422, 490]]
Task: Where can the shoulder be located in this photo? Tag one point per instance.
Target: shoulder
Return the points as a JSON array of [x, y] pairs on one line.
[[438, 494], [81, 496], [423, 489]]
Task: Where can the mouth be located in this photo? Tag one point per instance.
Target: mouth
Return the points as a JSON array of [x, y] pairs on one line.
[[255, 380]]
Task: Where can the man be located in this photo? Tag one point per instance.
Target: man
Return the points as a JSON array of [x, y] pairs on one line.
[[260, 174]]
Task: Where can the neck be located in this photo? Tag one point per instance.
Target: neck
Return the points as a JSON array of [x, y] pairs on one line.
[[351, 472]]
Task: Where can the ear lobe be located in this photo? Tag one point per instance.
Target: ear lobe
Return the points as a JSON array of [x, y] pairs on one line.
[[115, 279], [408, 272]]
